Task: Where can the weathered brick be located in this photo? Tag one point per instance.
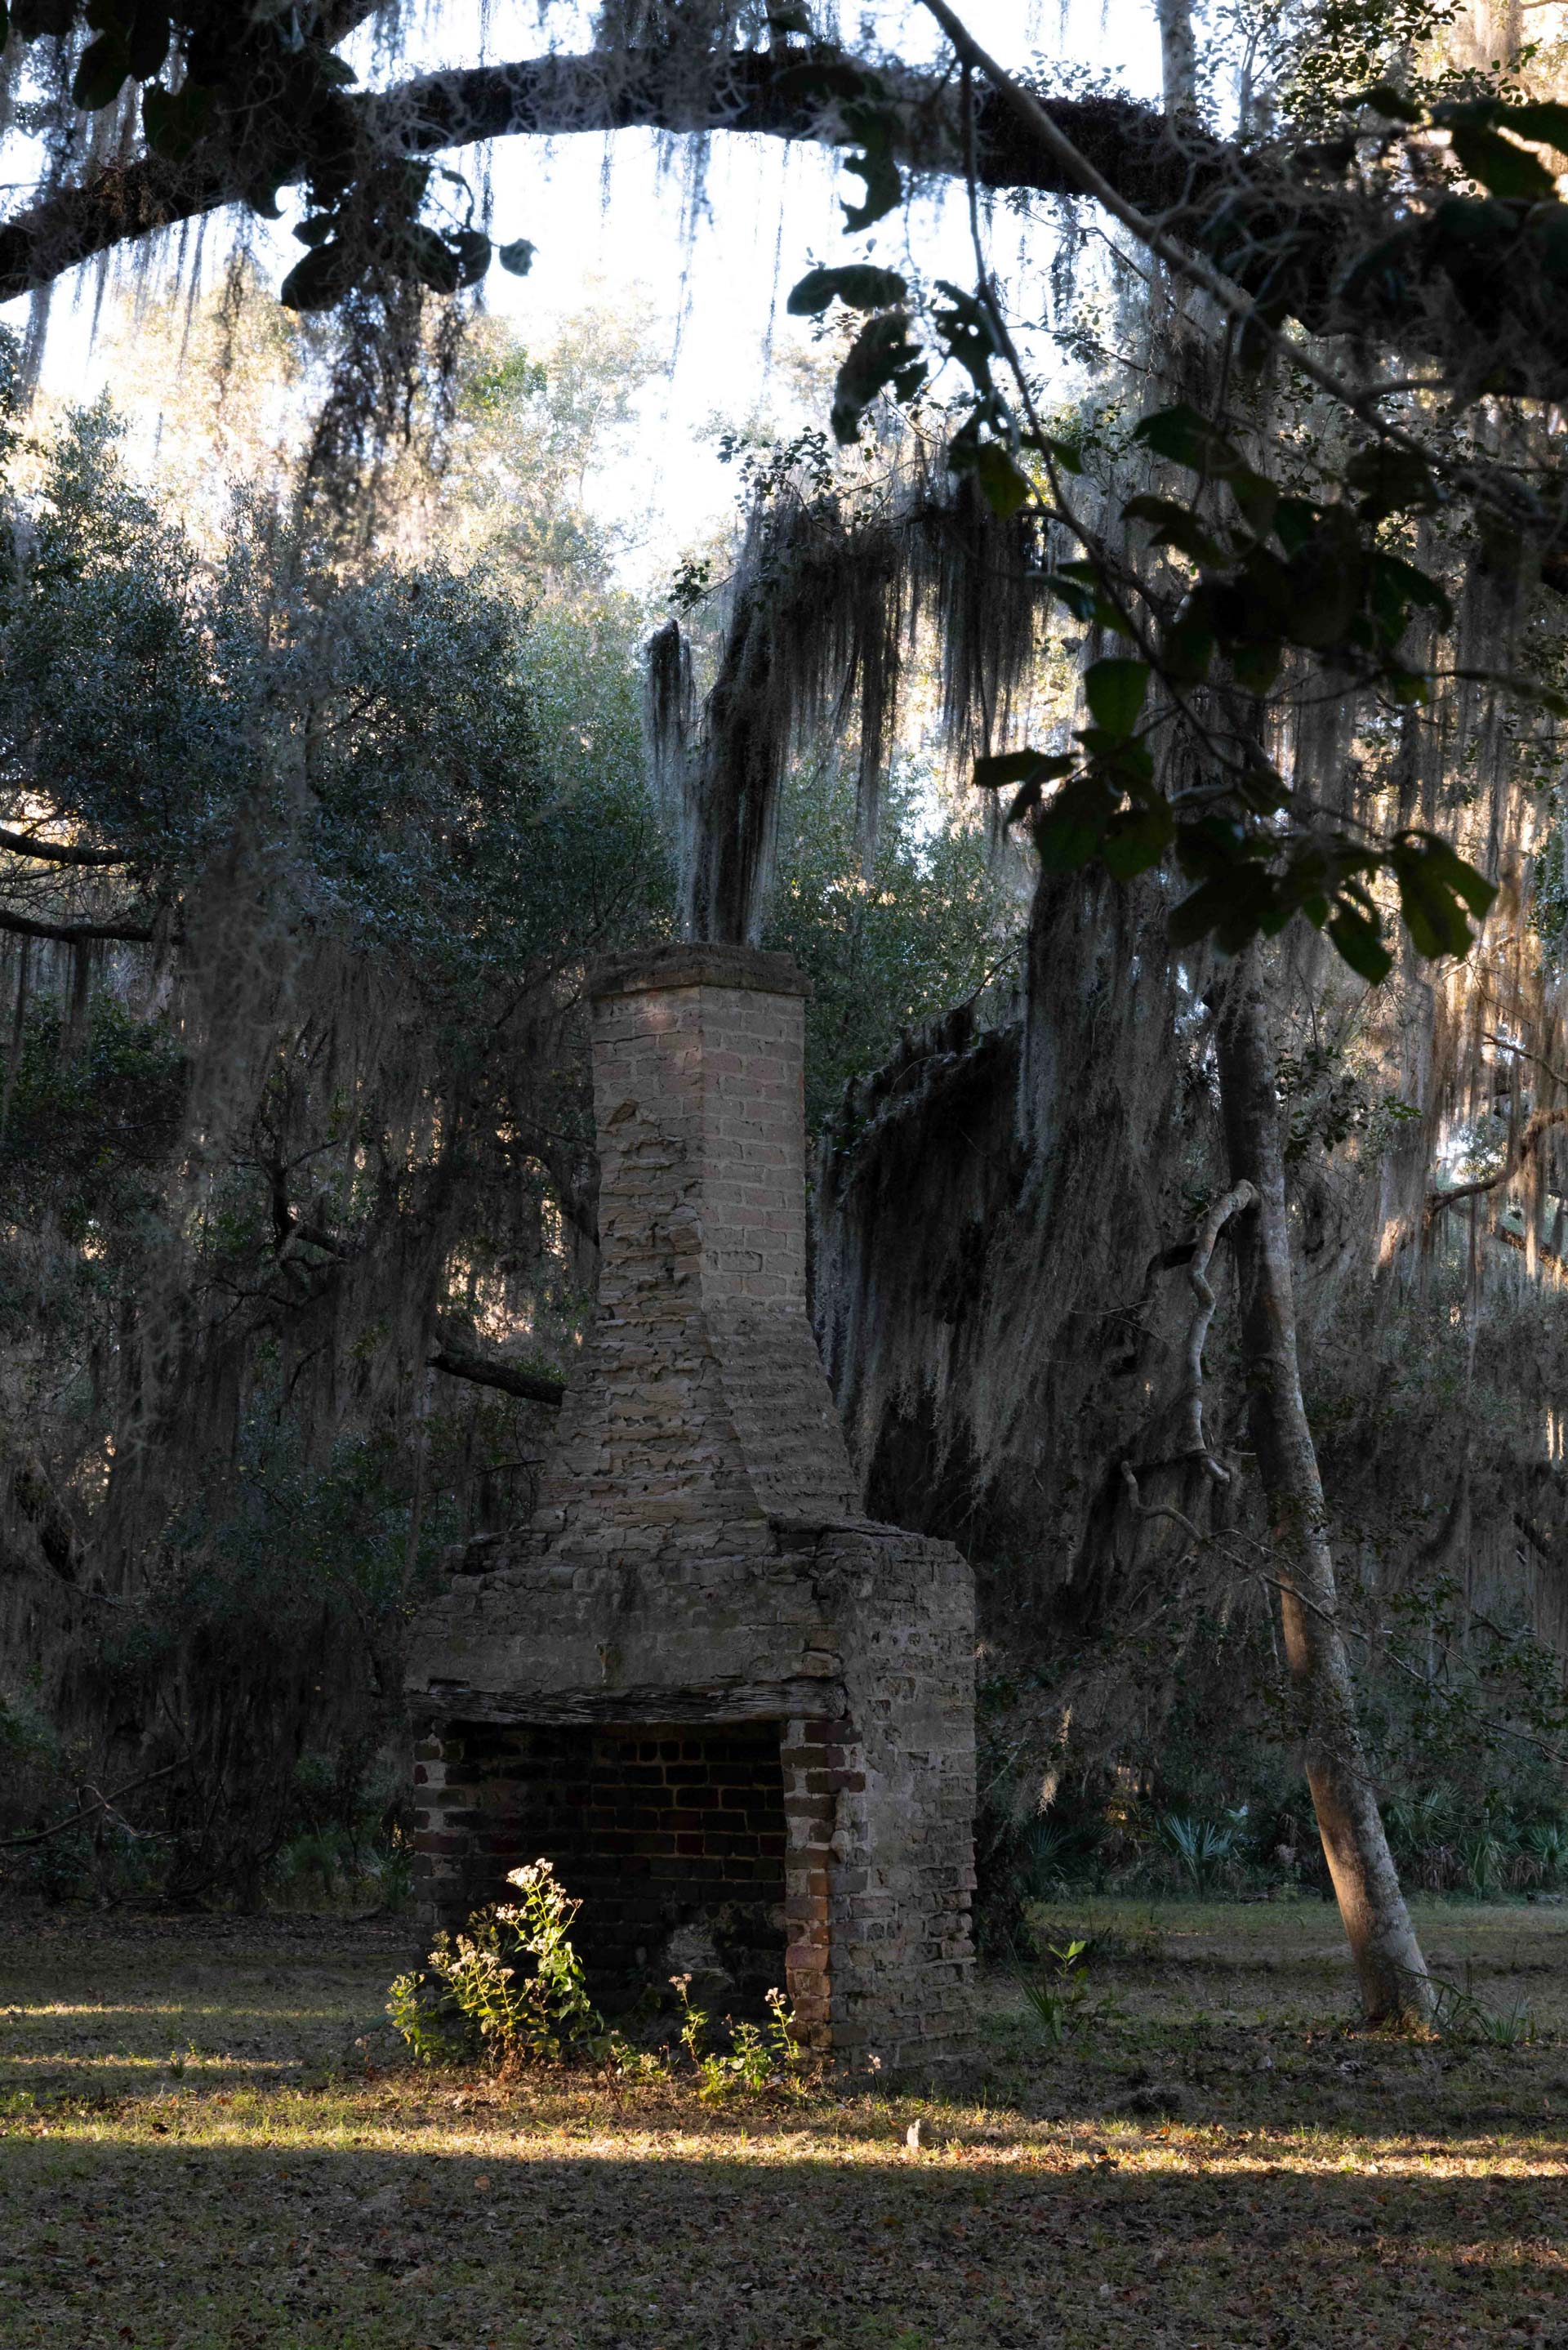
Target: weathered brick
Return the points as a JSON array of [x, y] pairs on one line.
[[699, 1532]]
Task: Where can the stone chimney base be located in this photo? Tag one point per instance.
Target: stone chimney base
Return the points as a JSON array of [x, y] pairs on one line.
[[809, 1826]]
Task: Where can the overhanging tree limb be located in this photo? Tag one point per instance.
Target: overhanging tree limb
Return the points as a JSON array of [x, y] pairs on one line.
[[71, 934], [57, 852], [531, 1386], [1539, 1123], [767, 94]]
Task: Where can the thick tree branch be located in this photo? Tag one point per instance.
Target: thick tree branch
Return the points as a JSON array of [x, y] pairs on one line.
[[774, 95], [57, 852], [71, 934], [117, 206], [530, 1385]]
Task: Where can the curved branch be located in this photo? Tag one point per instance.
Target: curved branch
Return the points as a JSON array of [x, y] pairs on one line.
[[1537, 1123], [1240, 1197], [99, 1804], [774, 94]]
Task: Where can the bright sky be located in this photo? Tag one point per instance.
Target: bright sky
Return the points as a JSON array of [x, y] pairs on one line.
[[607, 222]]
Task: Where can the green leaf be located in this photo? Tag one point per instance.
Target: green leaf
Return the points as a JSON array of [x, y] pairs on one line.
[[322, 278], [882, 358], [1391, 481], [1022, 767], [174, 125], [1136, 841], [1175, 526], [869, 123], [1257, 497], [101, 74], [1200, 910], [1122, 759], [1067, 836], [1360, 941], [1455, 873], [1068, 454], [969, 330], [1004, 488], [472, 249], [1114, 692], [517, 257], [1396, 588], [1187, 646], [857, 284], [429, 258], [1294, 522], [149, 42], [1186, 438], [1256, 666], [1077, 585], [1502, 168]]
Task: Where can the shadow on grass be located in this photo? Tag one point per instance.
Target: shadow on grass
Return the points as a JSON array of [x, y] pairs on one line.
[[190, 2246]]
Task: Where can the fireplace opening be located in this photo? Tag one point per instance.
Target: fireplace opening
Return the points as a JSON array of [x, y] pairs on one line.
[[672, 1837]]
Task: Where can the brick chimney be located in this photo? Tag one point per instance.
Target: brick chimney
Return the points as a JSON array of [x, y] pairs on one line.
[[701, 1413], [736, 1714]]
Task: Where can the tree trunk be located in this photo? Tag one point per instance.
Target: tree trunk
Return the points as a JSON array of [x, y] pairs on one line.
[[1177, 56], [1390, 1967]]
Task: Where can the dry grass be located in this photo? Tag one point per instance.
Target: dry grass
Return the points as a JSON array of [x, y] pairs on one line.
[[198, 2156]]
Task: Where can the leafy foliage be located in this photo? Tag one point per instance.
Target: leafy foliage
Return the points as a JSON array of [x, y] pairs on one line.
[[886, 949], [510, 1989]]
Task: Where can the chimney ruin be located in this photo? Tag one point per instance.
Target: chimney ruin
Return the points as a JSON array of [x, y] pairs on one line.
[[738, 1716]]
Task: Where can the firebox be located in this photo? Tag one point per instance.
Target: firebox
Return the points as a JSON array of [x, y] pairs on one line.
[[735, 1714]]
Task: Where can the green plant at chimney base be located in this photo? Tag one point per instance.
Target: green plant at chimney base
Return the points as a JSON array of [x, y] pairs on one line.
[[509, 1989], [762, 2056]]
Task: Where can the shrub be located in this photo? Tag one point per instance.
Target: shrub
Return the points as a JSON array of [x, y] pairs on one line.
[[1057, 1996], [510, 1989], [1202, 1847], [762, 2056]]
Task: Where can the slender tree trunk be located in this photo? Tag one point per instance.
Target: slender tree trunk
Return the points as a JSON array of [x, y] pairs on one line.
[[1390, 1967], [1177, 56]]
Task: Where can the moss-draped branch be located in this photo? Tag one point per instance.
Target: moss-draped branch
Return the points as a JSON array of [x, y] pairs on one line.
[[763, 93]]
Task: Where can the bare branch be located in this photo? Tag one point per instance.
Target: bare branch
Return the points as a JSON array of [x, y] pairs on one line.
[[58, 852], [1540, 1122], [99, 1804], [70, 934], [532, 1385], [1234, 1203]]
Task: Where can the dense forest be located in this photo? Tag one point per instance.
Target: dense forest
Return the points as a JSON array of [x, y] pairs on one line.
[[1129, 685]]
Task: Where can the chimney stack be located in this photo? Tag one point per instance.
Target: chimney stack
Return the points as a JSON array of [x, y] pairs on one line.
[[701, 1414]]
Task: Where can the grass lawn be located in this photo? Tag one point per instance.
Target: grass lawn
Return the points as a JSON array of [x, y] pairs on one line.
[[198, 2156]]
